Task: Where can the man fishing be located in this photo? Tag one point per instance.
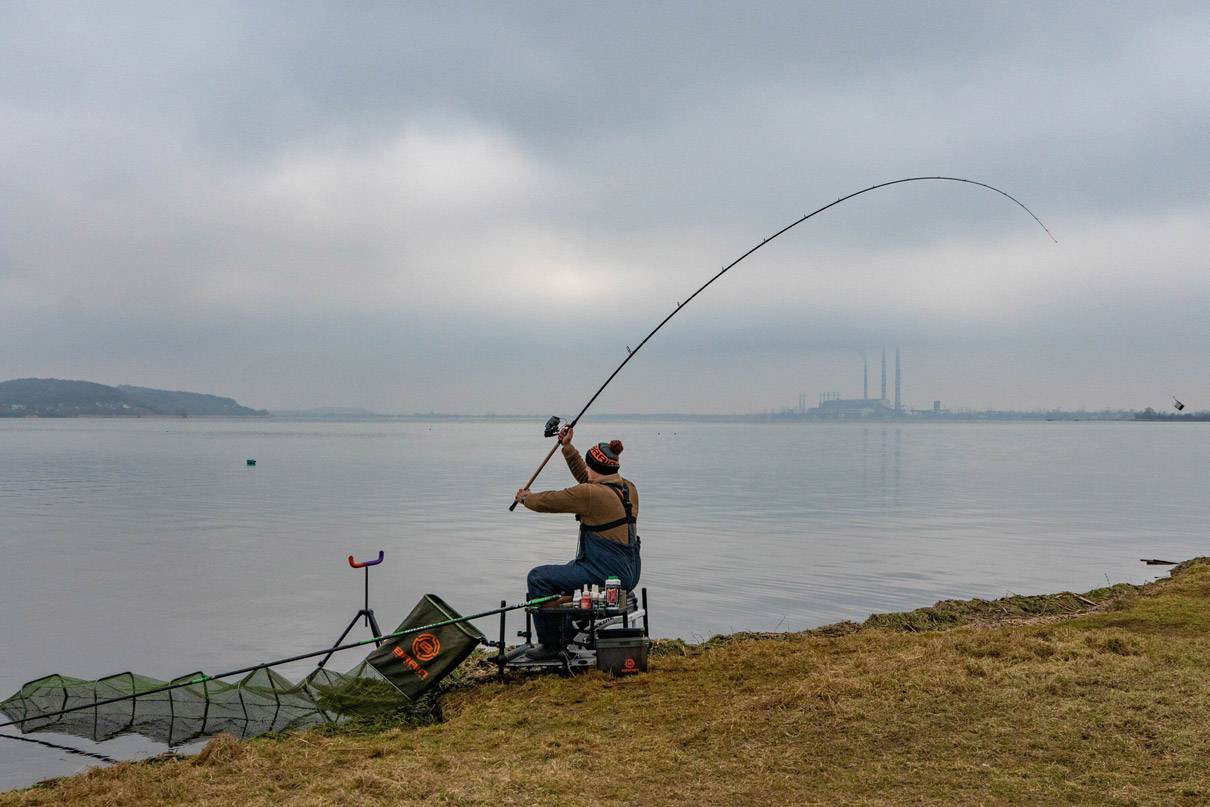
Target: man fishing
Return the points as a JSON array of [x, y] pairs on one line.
[[607, 507]]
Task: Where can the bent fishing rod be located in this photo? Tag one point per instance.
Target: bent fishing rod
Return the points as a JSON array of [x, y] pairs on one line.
[[553, 423], [203, 679]]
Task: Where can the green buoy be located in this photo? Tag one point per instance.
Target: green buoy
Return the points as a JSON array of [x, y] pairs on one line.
[[250, 462]]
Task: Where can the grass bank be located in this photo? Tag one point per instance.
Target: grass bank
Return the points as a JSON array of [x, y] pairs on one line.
[[1101, 697]]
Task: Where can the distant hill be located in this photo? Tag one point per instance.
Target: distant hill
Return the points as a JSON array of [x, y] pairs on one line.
[[332, 412], [171, 402], [54, 397]]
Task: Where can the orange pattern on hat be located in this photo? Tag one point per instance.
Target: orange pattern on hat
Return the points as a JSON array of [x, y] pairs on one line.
[[599, 456]]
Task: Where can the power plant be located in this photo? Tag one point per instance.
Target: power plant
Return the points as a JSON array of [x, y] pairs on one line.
[[833, 407]]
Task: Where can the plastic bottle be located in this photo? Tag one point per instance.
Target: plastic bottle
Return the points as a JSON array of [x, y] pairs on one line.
[[612, 587], [586, 600], [575, 598]]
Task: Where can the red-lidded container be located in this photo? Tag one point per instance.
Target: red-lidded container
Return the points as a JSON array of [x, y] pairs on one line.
[[613, 587]]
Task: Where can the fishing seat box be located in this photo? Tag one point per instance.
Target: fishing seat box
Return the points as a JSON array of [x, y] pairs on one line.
[[622, 651]]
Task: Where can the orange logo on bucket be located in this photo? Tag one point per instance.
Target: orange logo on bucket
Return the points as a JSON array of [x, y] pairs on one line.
[[414, 665], [426, 646]]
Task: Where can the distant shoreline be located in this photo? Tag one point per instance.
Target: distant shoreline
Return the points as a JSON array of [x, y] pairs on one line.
[[1007, 417], [632, 418], [149, 416]]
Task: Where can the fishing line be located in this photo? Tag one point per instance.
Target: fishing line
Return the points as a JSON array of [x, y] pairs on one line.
[[630, 354]]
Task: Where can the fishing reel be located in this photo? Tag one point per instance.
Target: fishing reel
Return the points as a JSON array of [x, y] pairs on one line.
[[552, 426]]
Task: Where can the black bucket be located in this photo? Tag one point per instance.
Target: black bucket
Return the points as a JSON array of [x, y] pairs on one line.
[[622, 651], [415, 662]]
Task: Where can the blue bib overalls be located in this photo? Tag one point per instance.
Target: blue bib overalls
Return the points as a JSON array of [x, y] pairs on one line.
[[596, 559]]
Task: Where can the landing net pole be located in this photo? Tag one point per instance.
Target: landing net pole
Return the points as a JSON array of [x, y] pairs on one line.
[[202, 679]]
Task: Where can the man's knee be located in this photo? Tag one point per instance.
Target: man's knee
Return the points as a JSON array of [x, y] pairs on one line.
[[536, 582]]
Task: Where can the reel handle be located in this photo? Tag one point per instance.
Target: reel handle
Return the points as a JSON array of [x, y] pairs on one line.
[[361, 564]]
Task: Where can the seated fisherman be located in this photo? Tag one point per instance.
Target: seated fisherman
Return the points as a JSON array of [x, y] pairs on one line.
[[607, 506]]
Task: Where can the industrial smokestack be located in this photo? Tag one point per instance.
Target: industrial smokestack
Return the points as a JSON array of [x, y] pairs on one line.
[[865, 379], [883, 398], [898, 401]]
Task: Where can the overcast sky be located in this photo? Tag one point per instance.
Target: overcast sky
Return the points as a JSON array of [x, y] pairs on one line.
[[475, 208]]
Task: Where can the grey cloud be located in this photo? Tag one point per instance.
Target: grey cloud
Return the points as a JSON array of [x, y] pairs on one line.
[[436, 205]]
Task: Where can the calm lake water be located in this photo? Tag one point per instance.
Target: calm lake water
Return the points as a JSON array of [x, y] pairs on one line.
[[147, 545]]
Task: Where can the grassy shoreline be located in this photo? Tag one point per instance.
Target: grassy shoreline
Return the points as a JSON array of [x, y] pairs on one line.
[[1100, 697]]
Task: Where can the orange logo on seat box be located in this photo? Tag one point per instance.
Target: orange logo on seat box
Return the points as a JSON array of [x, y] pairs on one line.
[[426, 646], [630, 666]]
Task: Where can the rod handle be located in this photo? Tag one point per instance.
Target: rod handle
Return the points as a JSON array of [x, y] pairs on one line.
[[361, 564], [551, 453]]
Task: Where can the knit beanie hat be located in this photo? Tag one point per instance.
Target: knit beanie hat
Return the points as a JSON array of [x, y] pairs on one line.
[[603, 457]]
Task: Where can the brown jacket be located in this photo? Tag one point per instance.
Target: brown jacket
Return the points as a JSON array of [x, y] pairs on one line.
[[592, 502]]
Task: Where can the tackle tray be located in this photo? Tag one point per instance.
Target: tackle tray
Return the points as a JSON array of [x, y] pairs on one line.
[[583, 627]]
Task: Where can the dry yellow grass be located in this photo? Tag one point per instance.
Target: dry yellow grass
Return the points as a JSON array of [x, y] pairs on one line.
[[1107, 707]]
